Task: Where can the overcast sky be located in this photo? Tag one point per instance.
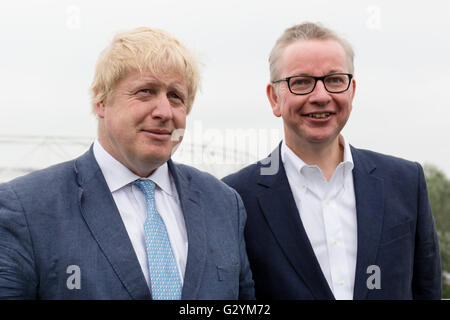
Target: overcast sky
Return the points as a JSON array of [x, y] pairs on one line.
[[402, 65]]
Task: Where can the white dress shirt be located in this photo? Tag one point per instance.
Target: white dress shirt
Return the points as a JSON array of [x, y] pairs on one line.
[[328, 212], [130, 201]]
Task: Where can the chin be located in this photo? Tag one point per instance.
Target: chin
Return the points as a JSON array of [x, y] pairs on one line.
[[321, 139], [154, 154], [156, 157]]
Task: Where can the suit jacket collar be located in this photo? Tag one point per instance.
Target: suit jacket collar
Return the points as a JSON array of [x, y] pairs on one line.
[[369, 195], [283, 218], [194, 217], [103, 219]]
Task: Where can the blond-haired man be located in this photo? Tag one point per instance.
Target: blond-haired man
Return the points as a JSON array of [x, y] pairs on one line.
[[123, 221], [327, 220]]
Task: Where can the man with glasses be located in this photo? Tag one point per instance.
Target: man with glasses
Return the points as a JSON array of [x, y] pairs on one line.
[[330, 221]]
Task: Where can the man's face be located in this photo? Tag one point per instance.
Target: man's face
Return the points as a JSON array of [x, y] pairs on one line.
[[137, 123], [314, 58]]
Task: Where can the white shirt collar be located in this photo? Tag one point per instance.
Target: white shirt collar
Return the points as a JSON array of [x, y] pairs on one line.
[[287, 155], [311, 176], [348, 158], [117, 175]]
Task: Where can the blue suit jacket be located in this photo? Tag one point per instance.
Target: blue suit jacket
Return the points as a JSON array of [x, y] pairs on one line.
[[396, 232], [65, 216]]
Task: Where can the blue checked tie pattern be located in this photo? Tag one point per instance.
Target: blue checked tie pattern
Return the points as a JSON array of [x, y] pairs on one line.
[[164, 276]]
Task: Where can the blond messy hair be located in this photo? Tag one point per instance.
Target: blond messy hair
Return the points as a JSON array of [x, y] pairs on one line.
[[306, 31], [143, 49]]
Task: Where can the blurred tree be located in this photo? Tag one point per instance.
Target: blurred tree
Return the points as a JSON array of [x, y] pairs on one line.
[[439, 194]]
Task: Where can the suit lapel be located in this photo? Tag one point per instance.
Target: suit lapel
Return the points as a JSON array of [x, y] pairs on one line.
[[190, 200], [369, 212], [279, 208], [103, 219]]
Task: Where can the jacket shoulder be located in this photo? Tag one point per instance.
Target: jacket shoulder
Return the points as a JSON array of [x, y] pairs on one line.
[[39, 185], [52, 174], [244, 178], [387, 165], [382, 158], [203, 180]]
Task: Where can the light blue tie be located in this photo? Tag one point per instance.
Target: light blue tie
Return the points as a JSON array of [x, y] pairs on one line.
[[164, 276]]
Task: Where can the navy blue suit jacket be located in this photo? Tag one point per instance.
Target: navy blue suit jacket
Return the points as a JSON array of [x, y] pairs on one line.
[[395, 227], [64, 216]]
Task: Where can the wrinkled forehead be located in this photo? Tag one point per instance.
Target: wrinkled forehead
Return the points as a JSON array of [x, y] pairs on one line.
[[138, 70], [170, 78]]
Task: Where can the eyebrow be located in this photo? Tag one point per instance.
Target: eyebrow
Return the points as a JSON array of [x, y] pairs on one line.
[[140, 83], [335, 71], [155, 83]]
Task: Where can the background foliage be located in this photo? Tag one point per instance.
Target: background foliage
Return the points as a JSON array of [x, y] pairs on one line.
[[439, 193]]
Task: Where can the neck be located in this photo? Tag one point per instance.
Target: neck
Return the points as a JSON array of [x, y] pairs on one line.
[[141, 168], [326, 156]]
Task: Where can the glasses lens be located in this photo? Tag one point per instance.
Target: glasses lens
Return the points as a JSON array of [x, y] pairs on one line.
[[336, 82], [301, 84]]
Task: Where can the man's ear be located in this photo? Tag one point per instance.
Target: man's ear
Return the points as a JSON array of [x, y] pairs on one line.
[[100, 108], [353, 93], [353, 88], [272, 95]]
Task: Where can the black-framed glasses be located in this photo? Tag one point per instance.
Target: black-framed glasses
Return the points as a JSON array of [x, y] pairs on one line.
[[333, 83]]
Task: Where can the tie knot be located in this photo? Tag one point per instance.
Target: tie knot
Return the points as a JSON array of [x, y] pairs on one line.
[[147, 186]]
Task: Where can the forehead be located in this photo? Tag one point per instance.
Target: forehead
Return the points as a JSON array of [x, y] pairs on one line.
[[313, 57], [137, 78]]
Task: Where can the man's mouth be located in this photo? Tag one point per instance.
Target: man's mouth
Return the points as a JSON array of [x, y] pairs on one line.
[[321, 115], [159, 131], [158, 134]]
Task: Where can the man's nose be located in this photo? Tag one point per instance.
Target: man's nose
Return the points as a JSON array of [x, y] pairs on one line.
[[320, 95], [162, 108]]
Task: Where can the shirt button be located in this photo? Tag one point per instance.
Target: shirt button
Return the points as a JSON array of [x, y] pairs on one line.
[[335, 241], [327, 202], [341, 282]]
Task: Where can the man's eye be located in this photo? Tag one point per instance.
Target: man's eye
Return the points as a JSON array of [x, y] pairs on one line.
[[144, 91], [335, 79], [175, 95], [302, 81]]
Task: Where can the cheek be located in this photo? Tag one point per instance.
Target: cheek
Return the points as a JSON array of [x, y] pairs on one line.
[[179, 118], [345, 106], [119, 124], [290, 108]]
